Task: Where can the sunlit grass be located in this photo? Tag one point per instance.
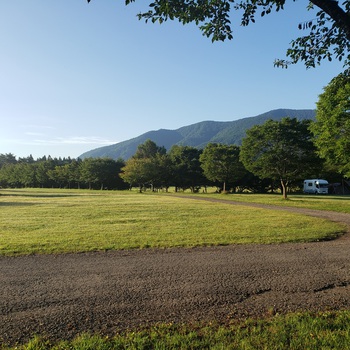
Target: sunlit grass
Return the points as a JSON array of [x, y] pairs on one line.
[[339, 203], [59, 221], [326, 330]]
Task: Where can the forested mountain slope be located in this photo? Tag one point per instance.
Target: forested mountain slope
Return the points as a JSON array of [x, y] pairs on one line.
[[197, 135]]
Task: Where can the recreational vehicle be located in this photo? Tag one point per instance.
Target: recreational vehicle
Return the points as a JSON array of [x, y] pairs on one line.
[[316, 186]]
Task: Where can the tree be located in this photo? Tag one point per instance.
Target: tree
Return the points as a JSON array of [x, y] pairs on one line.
[[89, 172], [7, 158], [221, 163], [187, 171], [148, 166], [148, 149], [73, 172], [328, 34], [28, 160], [100, 172], [58, 175], [161, 171], [332, 126], [109, 170], [280, 150], [43, 167], [9, 176], [136, 172]]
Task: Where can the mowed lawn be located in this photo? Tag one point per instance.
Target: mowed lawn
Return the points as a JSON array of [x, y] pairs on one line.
[[59, 221], [338, 203]]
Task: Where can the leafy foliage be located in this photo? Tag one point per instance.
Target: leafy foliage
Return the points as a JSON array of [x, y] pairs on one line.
[[149, 149], [329, 32], [282, 151], [47, 172], [148, 166], [221, 163], [332, 126], [186, 171]]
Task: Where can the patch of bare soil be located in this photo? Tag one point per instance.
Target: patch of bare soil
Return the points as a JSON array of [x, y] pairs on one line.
[[61, 296]]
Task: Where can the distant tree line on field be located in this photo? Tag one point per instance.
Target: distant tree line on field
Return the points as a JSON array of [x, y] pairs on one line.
[[47, 172], [151, 168]]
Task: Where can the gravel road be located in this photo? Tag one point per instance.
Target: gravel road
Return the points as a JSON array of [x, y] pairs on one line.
[[61, 296]]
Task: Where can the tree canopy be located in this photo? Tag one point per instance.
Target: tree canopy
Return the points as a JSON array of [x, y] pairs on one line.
[[148, 166], [186, 167], [332, 126], [328, 35], [221, 163], [280, 150]]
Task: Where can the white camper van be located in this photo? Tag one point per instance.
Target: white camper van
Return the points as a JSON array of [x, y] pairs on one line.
[[316, 186]]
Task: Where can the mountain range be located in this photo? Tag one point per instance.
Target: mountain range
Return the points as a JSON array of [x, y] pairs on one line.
[[197, 135]]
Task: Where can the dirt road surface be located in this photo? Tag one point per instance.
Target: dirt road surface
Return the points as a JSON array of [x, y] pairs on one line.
[[61, 296]]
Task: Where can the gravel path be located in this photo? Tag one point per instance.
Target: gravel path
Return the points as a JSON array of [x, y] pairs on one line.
[[63, 295]]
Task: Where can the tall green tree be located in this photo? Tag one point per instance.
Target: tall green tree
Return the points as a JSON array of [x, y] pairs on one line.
[[327, 32], [73, 172], [186, 167], [99, 172], [280, 150], [332, 126], [59, 175], [28, 159], [221, 163], [9, 175], [42, 169], [137, 172], [149, 166], [109, 170], [7, 158], [148, 149], [162, 171], [89, 172]]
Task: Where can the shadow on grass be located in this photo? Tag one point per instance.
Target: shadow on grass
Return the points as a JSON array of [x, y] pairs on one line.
[[340, 197], [36, 195], [16, 204]]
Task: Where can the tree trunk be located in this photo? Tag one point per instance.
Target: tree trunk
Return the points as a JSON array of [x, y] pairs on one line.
[[341, 18], [284, 189]]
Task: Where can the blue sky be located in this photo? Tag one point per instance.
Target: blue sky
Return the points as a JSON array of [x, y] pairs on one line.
[[78, 76]]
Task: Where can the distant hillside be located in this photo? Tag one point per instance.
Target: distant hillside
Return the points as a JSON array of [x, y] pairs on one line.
[[197, 135]]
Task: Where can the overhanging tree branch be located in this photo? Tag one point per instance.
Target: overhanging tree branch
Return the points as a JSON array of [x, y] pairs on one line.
[[334, 11], [329, 33]]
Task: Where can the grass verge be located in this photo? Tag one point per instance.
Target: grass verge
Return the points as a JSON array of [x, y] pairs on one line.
[[340, 204], [326, 330]]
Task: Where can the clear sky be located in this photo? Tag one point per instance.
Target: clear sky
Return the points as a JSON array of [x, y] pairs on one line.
[[77, 76]]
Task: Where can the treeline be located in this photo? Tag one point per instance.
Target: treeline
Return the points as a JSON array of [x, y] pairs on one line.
[[47, 172], [151, 168], [186, 167]]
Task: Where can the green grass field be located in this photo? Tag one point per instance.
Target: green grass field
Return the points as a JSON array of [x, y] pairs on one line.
[[339, 204], [60, 221], [34, 221]]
